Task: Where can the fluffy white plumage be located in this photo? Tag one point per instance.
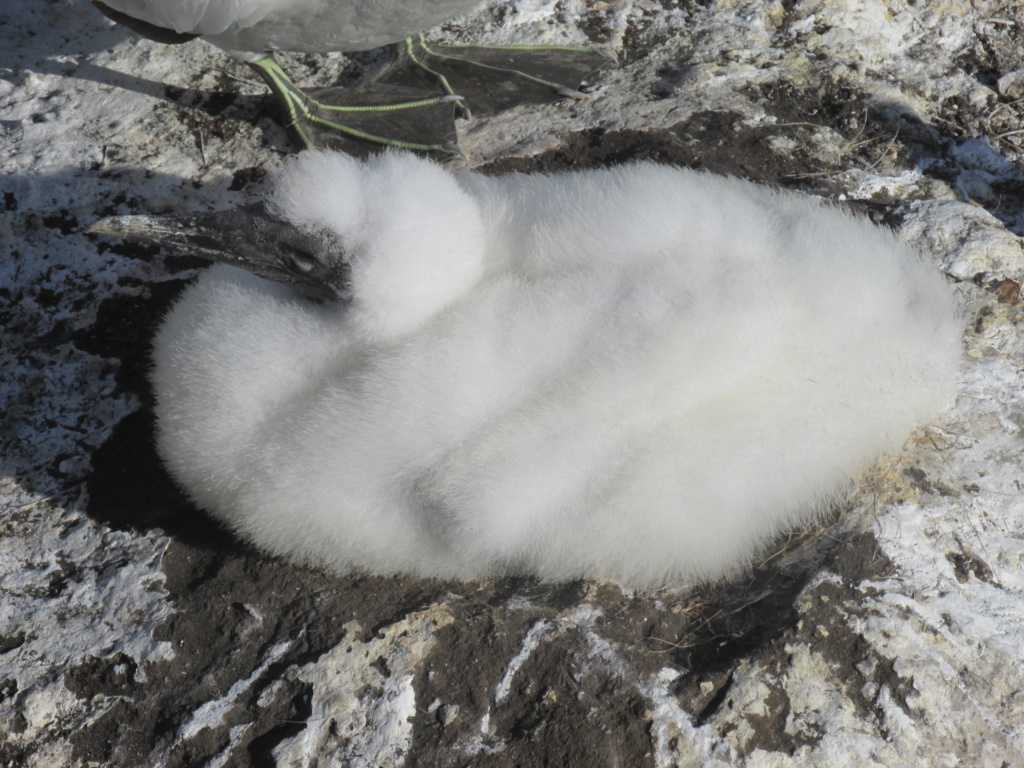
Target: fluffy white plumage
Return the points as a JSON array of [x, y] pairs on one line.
[[641, 373]]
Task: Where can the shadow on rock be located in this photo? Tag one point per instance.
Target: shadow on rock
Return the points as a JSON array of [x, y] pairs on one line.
[[128, 487]]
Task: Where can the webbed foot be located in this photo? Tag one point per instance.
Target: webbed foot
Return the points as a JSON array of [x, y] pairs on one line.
[[493, 78], [353, 119], [401, 106]]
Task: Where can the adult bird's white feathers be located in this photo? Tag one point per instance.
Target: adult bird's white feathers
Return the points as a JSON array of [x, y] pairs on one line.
[[311, 26], [641, 373]]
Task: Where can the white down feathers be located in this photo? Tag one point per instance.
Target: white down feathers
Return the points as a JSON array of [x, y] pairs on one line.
[[641, 373]]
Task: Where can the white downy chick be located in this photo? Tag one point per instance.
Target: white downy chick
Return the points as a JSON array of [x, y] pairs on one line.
[[641, 373]]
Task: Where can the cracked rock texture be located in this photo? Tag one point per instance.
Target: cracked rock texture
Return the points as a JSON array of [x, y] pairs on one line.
[[134, 632]]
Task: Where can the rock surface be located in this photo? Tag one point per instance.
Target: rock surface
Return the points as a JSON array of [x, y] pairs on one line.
[[135, 632]]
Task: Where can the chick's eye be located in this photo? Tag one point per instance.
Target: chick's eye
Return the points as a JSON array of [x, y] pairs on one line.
[[302, 262]]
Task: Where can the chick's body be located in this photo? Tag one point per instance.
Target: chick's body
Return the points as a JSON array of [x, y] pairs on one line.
[[641, 373]]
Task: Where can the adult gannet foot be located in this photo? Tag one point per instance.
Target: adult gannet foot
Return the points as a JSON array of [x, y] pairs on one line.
[[493, 78], [351, 118], [398, 110]]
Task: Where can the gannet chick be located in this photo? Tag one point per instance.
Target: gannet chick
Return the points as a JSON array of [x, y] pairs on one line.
[[641, 373], [251, 30]]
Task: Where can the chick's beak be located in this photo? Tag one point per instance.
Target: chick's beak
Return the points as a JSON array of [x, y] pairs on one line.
[[250, 238]]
